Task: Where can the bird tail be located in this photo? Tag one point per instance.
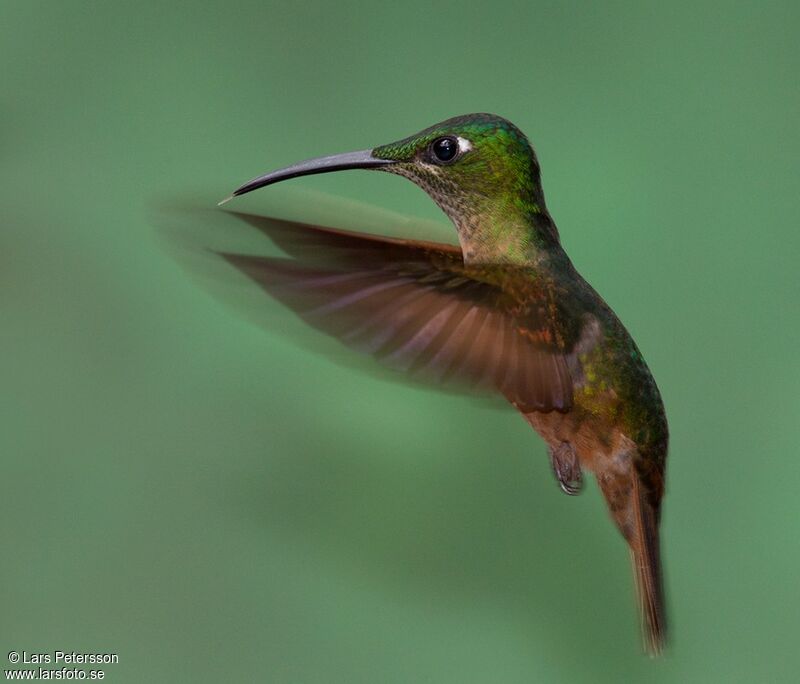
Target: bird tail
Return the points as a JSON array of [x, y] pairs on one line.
[[646, 560], [636, 515]]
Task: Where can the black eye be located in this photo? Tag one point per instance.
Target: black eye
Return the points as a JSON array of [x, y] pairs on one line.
[[444, 149]]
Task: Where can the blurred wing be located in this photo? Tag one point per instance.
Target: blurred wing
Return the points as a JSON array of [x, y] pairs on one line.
[[343, 248], [415, 308]]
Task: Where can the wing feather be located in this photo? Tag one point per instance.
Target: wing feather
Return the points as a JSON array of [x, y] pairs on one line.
[[418, 309]]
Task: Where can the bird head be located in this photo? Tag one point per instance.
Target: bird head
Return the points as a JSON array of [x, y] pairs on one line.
[[479, 168]]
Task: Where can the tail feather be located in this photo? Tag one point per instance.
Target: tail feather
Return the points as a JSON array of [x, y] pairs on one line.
[[646, 559], [637, 517]]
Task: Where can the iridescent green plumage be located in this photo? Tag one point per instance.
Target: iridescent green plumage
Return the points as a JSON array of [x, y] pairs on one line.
[[507, 311], [493, 195]]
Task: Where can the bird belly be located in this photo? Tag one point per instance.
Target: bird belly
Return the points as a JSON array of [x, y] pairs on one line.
[[599, 445]]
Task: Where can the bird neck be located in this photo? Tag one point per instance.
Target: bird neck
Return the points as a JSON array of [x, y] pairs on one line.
[[500, 232]]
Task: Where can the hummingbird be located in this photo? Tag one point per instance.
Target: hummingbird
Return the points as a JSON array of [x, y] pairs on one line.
[[504, 311]]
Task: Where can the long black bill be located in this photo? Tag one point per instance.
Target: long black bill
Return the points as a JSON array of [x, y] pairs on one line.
[[335, 162]]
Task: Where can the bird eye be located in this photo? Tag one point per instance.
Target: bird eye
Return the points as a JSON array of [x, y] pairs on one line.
[[444, 149]]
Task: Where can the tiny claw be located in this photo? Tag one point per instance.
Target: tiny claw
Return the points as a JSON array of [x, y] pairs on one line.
[[572, 488]]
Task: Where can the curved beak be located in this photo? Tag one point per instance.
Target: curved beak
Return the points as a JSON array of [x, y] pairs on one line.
[[363, 159]]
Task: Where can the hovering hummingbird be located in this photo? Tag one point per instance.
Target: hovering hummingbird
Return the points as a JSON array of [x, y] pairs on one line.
[[507, 311]]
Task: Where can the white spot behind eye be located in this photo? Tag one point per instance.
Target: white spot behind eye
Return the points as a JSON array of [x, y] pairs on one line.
[[464, 145]]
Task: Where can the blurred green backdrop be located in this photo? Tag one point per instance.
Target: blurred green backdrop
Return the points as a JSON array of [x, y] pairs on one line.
[[214, 503]]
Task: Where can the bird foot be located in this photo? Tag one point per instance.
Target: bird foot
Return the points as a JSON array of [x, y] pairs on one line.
[[567, 468]]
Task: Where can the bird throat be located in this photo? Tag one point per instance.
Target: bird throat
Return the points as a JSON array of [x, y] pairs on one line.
[[502, 229], [499, 235]]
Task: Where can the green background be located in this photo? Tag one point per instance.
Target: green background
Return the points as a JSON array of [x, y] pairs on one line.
[[187, 486]]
